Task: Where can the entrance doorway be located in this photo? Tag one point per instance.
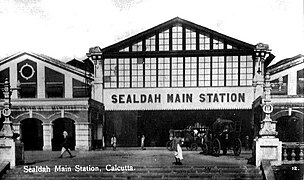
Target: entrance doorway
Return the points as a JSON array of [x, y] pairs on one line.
[[290, 129], [60, 125], [32, 134]]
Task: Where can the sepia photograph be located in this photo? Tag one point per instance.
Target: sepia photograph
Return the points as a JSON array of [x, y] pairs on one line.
[[151, 89]]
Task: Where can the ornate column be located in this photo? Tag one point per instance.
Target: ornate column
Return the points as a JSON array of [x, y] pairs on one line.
[[267, 146], [97, 85], [11, 149]]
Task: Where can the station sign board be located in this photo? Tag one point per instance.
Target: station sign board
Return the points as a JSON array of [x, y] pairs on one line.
[[179, 98]]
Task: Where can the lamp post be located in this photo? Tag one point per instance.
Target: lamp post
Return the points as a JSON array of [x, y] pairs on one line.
[[7, 130], [267, 146]]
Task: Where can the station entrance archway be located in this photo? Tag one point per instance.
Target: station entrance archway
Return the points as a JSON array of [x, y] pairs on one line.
[[60, 125], [32, 134]]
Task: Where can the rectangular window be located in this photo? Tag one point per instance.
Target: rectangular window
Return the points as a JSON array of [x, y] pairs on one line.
[[177, 38], [110, 73], [124, 72], [54, 84], [218, 71], [177, 72], [246, 70], [279, 89], [150, 72], [190, 40], [163, 72], [204, 70], [300, 82], [232, 72], [137, 72], [164, 41], [150, 44], [190, 72], [204, 42]]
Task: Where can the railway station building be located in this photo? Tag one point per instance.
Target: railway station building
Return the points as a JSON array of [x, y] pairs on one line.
[[287, 98], [171, 76], [53, 97]]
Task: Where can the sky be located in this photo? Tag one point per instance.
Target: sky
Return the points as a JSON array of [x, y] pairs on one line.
[[66, 29]]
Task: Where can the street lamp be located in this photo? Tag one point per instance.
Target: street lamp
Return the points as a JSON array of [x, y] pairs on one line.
[[267, 146], [7, 130]]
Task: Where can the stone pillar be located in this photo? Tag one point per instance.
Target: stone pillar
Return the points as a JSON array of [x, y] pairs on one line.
[[97, 85], [83, 136], [47, 136]]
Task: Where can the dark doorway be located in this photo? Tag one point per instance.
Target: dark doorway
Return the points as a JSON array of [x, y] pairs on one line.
[[290, 129], [32, 134], [60, 125]]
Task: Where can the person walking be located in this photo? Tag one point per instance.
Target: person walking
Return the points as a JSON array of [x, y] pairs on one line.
[[178, 153], [65, 145], [113, 142], [143, 142]]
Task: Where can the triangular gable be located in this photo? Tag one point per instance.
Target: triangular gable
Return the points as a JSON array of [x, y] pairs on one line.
[[136, 41], [49, 60]]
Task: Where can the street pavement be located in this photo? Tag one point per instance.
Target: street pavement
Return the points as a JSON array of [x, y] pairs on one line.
[[133, 163]]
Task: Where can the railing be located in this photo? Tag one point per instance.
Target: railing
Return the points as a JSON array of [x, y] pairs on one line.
[[292, 153]]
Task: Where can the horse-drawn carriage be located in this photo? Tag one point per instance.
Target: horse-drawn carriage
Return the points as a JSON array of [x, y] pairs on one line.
[[223, 135], [191, 137]]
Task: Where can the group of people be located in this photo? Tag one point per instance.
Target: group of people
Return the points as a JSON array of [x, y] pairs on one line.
[[177, 142], [114, 142]]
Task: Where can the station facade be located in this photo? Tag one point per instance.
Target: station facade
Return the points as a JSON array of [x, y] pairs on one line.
[[171, 76], [53, 97], [287, 98]]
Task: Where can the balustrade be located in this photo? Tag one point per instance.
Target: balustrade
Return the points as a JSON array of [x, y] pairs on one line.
[[292, 153]]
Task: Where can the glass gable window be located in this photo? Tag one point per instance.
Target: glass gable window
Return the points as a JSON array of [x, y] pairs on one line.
[[300, 82], [110, 72], [125, 49], [137, 47], [150, 44], [80, 89], [204, 42], [3, 75], [232, 72], [246, 70], [218, 71], [204, 71], [54, 84], [124, 72], [190, 71], [190, 40], [177, 38], [164, 41], [218, 44], [163, 72], [137, 72], [27, 76], [177, 72], [150, 72]]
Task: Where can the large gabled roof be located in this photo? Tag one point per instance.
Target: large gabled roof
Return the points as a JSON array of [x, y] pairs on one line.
[[153, 31], [286, 64], [47, 59]]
